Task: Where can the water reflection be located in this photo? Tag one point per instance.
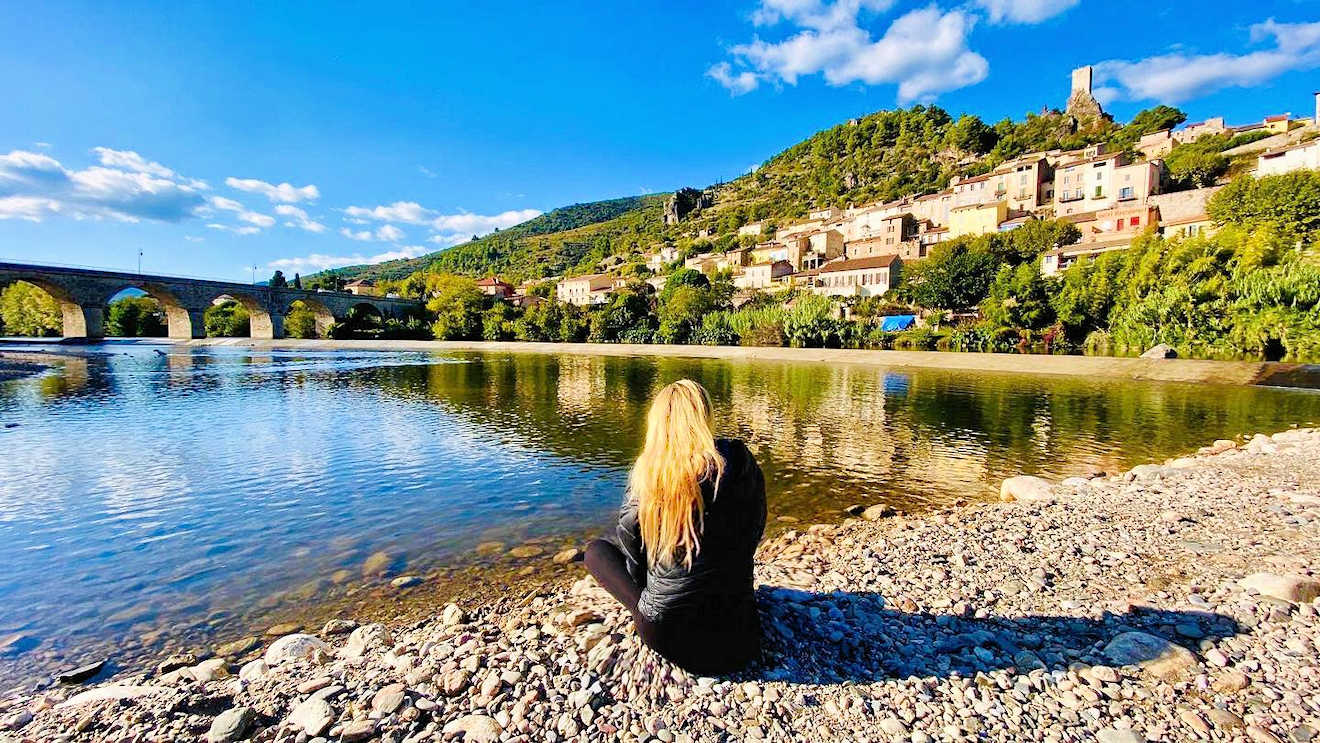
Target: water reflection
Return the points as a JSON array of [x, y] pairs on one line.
[[148, 492]]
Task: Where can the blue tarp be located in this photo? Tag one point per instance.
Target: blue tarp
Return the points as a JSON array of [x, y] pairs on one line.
[[891, 323]]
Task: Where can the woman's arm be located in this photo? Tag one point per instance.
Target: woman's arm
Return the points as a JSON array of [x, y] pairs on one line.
[[755, 480], [628, 535]]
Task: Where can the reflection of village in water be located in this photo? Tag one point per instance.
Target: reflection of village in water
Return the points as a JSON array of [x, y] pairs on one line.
[[184, 493]]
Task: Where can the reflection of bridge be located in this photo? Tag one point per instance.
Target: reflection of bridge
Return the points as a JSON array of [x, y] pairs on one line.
[[83, 293]]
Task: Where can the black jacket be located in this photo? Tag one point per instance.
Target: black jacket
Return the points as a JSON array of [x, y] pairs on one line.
[[718, 586]]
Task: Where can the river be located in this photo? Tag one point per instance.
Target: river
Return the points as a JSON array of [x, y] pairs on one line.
[[167, 497]]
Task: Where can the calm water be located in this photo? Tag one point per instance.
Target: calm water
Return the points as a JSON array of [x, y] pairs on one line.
[[148, 493]]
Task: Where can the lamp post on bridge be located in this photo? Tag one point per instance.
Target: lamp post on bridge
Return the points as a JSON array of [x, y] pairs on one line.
[[139, 261]]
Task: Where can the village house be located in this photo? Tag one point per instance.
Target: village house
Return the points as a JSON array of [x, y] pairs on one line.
[[733, 260], [491, 286], [1183, 213], [977, 219], [1303, 155], [361, 287], [764, 275], [753, 229], [1102, 180], [768, 252], [1155, 145], [825, 214], [1193, 132], [587, 290], [858, 277], [661, 257]]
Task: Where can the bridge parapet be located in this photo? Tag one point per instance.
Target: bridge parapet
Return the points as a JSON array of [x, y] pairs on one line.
[[83, 293]]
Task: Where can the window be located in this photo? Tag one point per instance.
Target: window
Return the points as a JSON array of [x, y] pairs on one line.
[[1125, 192], [1099, 192], [1134, 221], [1099, 175]]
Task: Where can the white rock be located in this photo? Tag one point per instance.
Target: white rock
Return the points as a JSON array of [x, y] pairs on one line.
[[1295, 588], [312, 716], [1026, 488], [366, 638], [295, 647], [253, 670], [230, 725], [1152, 654], [114, 691], [475, 728]]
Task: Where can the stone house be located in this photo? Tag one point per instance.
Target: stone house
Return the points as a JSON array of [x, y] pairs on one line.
[[764, 275], [361, 287], [1183, 213], [977, 219], [492, 286], [587, 290], [858, 277], [1300, 156]]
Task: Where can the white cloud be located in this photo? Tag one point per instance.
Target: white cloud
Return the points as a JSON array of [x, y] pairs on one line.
[[451, 229], [321, 262], [298, 218], [427, 172], [408, 212], [235, 230], [384, 233], [125, 187], [924, 52], [1177, 77], [283, 193], [194, 238], [244, 214], [1024, 11], [737, 82]]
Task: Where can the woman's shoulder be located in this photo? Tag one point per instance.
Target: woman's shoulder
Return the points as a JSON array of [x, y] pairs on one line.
[[734, 451]]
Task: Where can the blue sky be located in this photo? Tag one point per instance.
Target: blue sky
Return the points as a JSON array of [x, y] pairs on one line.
[[218, 136]]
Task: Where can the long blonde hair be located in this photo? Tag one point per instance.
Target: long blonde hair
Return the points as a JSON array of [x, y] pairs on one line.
[[666, 479]]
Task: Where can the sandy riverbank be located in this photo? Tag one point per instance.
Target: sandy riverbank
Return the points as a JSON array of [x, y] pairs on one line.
[[1170, 602], [1165, 370]]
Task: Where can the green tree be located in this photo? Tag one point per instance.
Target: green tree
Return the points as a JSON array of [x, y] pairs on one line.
[[301, 321], [456, 303], [278, 281], [135, 317], [227, 320], [297, 281], [956, 275], [30, 311]]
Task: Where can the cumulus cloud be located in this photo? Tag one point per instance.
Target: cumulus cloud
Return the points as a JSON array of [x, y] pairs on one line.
[[321, 262], [384, 233], [255, 219], [240, 230], [124, 187], [285, 193], [1024, 11], [1177, 77], [924, 52], [298, 218], [449, 229]]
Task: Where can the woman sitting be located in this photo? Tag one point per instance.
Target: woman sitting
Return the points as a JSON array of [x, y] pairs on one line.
[[681, 561]]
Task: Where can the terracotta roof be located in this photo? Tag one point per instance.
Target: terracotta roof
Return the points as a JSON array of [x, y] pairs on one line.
[[492, 281], [361, 282], [858, 264], [1277, 117]]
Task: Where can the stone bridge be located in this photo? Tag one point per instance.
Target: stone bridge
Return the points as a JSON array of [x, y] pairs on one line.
[[83, 293]]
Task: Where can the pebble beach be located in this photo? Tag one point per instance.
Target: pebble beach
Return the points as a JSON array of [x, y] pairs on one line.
[[1174, 601]]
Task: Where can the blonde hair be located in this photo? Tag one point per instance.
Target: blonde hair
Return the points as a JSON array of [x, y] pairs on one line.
[[665, 483]]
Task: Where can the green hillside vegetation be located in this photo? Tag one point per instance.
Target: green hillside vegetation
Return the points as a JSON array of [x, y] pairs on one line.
[[516, 250]]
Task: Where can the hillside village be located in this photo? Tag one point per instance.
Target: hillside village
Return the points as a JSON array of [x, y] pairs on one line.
[[1112, 197]]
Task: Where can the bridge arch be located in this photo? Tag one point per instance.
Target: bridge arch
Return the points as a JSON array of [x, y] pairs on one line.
[[74, 322], [325, 319], [261, 323], [180, 321]]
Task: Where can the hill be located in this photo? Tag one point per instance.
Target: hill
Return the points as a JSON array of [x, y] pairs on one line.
[[491, 253], [884, 155]]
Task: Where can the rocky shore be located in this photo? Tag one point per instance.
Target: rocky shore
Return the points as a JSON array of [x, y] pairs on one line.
[[1171, 602]]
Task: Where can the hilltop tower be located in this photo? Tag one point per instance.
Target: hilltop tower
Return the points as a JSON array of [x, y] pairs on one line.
[[1082, 105]]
